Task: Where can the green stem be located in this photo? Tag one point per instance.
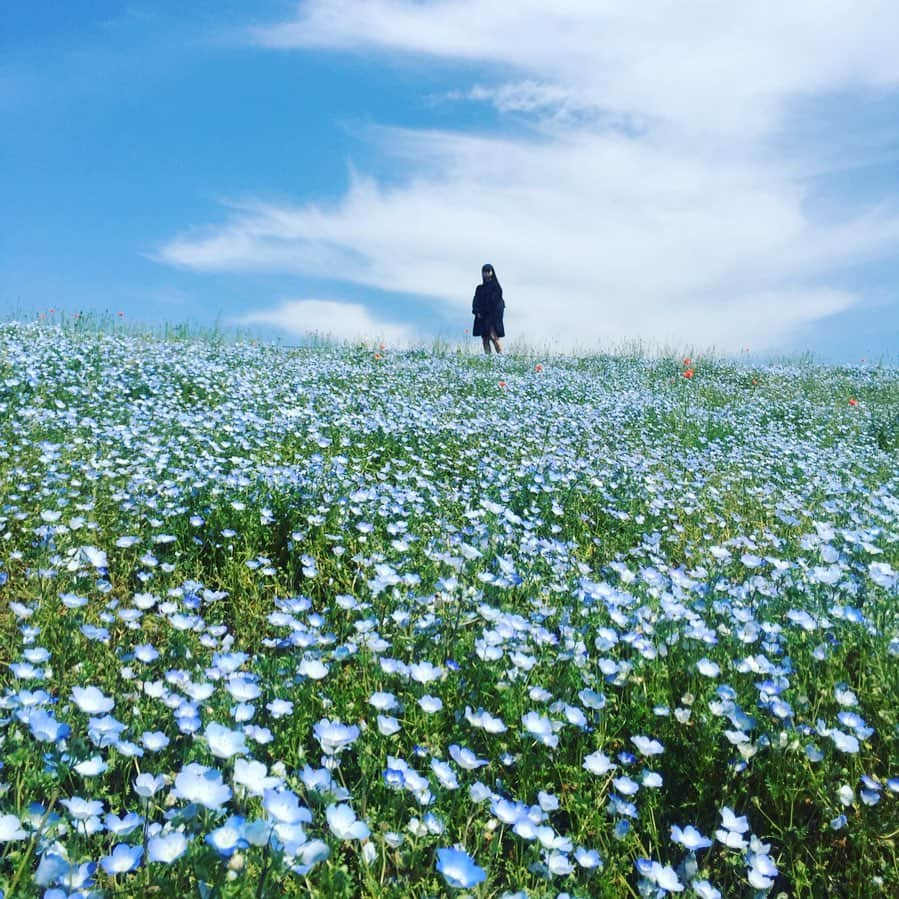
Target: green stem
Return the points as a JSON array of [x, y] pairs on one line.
[[31, 844]]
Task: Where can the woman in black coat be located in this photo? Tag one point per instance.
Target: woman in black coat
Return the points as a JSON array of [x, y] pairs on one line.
[[487, 308]]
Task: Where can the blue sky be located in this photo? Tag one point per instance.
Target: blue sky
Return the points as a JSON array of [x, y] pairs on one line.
[[678, 175]]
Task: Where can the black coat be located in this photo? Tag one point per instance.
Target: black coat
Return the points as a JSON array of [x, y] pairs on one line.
[[487, 307]]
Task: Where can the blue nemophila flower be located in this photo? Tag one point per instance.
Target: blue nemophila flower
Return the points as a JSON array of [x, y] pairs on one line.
[[690, 838], [314, 669], [647, 746], [223, 742], [465, 758], [844, 742], [167, 848], [445, 774], [591, 699], [708, 668], [253, 777], [104, 731], [425, 672], [598, 763], [45, 728], [279, 708], [459, 869], [320, 780], [229, 837], [243, 712], [51, 868], [146, 653], [705, 890], [625, 785], [383, 702], [122, 859], [388, 725], [122, 826], [588, 858], [732, 830], [11, 829], [761, 870], [25, 671], [559, 864], [147, 785], [284, 807], [485, 721], [309, 855], [91, 767], [430, 704], [334, 737], [662, 876], [201, 785], [344, 824], [82, 809], [154, 741], [243, 687], [540, 728]]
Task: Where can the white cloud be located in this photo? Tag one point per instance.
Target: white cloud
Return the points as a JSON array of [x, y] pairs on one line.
[[651, 202], [327, 318]]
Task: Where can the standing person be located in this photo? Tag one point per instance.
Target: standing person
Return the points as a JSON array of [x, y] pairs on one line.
[[487, 307]]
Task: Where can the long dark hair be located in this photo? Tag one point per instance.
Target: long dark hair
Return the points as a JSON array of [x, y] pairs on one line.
[[487, 267]]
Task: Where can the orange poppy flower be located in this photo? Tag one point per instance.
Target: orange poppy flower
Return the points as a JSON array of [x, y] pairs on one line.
[[689, 373]]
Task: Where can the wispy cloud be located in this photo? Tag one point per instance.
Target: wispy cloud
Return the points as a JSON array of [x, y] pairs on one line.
[[685, 224], [342, 321]]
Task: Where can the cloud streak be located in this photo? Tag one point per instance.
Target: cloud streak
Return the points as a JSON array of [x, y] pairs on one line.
[[327, 318], [649, 200]]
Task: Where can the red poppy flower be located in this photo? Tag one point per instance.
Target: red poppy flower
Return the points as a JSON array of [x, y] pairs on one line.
[[853, 401], [688, 373], [538, 367]]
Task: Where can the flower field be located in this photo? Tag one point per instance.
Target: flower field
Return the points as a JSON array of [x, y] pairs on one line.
[[333, 622]]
